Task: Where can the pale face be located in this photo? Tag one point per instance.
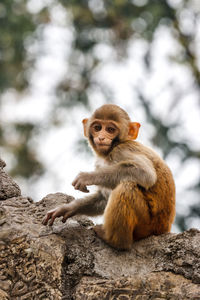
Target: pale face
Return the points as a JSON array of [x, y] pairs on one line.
[[103, 132]]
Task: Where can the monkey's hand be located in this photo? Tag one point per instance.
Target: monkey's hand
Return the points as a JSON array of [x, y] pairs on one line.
[[81, 181], [66, 211]]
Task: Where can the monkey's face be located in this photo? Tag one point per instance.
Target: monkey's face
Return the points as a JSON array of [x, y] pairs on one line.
[[103, 134], [108, 126]]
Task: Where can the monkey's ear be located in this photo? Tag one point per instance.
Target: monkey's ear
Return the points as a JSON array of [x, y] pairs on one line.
[[85, 121], [133, 130]]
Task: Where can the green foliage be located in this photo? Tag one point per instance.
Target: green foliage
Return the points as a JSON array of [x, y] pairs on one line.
[[15, 25]]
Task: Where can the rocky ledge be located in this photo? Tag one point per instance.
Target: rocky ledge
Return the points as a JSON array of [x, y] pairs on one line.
[[67, 261]]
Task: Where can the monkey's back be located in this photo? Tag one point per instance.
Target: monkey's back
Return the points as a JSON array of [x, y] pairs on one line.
[[160, 198]]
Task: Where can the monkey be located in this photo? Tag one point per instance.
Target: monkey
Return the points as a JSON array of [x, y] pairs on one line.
[[135, 187]]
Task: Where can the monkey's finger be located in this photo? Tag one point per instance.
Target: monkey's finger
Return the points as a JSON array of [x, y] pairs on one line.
[[67, 215], [83, 188], [46, 218], [52, 219], [80, 187], [77, 187], [76, 184], [58, 212], [75, 181]]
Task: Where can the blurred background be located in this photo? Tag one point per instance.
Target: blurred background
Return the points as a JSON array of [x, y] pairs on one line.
[[60, 60]]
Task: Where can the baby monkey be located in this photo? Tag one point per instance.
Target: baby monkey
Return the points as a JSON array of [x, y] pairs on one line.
[[136, 190]]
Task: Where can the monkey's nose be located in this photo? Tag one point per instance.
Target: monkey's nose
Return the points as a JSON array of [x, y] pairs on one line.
[[101, 138]]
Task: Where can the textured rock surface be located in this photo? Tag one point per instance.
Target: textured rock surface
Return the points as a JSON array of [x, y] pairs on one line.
[[8, 188], [67, 261]]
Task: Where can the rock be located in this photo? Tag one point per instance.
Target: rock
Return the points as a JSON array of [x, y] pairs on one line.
[[2, 164], [8, 188], [67, 261]]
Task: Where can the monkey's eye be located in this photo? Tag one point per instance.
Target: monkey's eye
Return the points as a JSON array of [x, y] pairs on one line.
[[97, 127], [111, 129]]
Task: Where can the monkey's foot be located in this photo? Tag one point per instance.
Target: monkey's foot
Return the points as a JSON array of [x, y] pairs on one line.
[[98, 229], [100, 232]]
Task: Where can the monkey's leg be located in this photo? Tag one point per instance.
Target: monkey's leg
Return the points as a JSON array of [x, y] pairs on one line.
[[125, 206], [98, 229]]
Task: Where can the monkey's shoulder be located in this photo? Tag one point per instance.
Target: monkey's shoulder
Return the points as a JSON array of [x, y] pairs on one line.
[[129, 148], [159, 164]]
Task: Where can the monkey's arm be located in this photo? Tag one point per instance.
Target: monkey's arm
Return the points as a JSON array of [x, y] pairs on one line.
[[139, 170], [92, 205]]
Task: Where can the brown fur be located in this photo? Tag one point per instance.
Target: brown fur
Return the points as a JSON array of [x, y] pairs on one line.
[[133, 212], [136, 190]]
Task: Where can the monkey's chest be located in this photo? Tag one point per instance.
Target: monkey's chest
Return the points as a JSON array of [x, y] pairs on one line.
[[101, 163]]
